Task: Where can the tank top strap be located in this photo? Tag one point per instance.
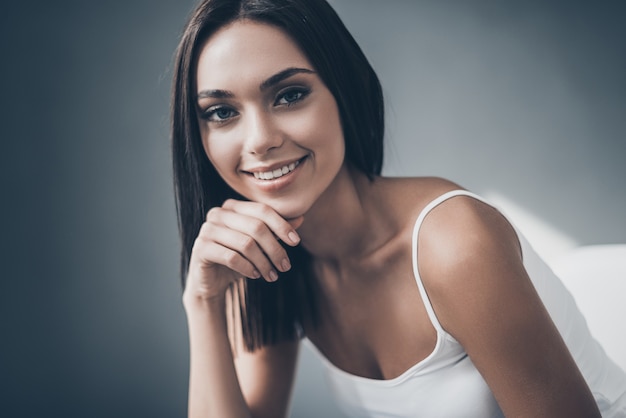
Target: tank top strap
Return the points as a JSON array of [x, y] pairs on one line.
[[418, 223]]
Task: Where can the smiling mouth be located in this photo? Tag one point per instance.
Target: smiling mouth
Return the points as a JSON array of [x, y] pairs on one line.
[[277, 173]]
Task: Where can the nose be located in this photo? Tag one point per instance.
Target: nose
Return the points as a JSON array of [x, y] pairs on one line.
[[261, 133]]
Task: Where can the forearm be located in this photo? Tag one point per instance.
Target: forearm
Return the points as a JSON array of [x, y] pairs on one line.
[[239, 239], [214, 389]]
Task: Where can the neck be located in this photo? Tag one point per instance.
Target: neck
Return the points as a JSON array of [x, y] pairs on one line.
[[342, 224]]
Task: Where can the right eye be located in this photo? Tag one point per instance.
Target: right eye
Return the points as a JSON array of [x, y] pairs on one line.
[[219, 114]]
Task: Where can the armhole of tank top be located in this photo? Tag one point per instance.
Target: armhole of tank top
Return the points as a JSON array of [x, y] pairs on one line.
[[414, 244]]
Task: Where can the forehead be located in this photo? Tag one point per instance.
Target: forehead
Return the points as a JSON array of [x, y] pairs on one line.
[[246, 51]]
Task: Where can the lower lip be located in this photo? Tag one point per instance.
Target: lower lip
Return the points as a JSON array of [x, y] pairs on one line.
[[280, 183]]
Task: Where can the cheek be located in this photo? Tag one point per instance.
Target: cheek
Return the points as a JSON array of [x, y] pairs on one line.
[[320, 129], [331, 132], [224, 158]]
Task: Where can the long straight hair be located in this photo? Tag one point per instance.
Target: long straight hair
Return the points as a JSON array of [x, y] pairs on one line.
[[271, 312]]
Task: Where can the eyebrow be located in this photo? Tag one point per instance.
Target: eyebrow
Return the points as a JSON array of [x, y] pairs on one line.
[[215, 94], [270, 82], [282, 75]]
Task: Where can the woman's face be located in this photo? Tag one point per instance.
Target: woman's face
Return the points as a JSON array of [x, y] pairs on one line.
[[269, 125]]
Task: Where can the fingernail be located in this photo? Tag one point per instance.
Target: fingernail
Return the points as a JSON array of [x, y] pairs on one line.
[[294, 237], [256, 274], [285, 264], [273, 276]]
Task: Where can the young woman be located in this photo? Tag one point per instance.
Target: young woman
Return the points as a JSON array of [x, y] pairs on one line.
[[423, 300]]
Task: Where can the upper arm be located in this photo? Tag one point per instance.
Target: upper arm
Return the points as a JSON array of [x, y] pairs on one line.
[[266, 378], [471, 264]]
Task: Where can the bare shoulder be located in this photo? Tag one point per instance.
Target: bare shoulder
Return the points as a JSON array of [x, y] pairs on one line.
[[458, 228], [412, 193], [471, 264], [464, 228], [416, 184], [469, 257], [466, 245]]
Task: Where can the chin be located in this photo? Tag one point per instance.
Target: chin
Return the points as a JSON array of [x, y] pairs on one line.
[[288, 210]]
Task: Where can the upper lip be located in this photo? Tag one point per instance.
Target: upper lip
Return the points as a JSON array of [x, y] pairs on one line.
[[271, 167]]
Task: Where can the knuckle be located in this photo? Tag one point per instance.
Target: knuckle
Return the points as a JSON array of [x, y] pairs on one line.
[[285, 230], [230, 258], [279, 253], [247, 243], [199, 241], [212, 213], [258, 227], [266, 210], [200, 249], [205, 231]]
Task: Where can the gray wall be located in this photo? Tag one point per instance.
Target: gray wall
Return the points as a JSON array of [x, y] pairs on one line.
[[522, 100]]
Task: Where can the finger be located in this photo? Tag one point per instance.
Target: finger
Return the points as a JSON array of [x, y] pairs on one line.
[[276, 223], [210, 252], [257, 232], [245, 245], [296, 222]]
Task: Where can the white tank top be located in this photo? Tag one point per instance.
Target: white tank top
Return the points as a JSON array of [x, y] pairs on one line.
[[446, 384]]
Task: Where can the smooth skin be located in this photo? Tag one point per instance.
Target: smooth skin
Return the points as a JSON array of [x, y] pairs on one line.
[[262, 106]]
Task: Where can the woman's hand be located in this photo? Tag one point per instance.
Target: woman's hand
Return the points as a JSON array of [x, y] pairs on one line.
[[239, 239]]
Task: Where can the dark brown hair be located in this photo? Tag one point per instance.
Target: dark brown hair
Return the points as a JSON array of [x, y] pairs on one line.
[[271, 312]]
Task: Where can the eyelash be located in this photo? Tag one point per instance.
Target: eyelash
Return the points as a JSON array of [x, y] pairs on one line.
[[212, 111], [302, 92]]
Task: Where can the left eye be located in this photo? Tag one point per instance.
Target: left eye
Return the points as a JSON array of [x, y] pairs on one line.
[[290, 97]]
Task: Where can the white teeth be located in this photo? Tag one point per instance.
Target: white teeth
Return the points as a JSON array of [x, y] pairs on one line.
[[279, 172]]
